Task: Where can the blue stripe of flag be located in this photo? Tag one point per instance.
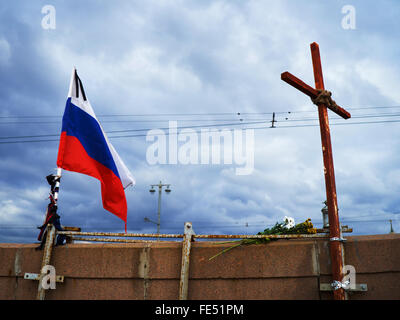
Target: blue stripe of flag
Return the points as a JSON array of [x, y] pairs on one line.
[[86, 129]]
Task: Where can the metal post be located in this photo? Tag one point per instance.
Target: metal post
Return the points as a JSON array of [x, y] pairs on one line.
[[334, 227], [51, 234], [187, 243], [316, 95], [273, 120], [167, 190], [159, 207]]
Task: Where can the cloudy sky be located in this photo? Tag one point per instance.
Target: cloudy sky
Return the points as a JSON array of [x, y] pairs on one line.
[[200, 63]]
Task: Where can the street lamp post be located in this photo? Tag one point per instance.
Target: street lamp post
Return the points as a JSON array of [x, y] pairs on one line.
[[152, 190]]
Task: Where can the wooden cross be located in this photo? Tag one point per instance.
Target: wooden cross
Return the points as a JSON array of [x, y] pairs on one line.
[[334, 226]]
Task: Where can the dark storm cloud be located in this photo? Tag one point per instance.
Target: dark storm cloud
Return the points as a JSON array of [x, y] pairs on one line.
[[199, 57]]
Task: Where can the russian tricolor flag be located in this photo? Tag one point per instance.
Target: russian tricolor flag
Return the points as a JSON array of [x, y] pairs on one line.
[[84, 148]]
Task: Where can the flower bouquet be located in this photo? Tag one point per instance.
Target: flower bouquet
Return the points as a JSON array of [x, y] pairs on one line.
[[288, 226]]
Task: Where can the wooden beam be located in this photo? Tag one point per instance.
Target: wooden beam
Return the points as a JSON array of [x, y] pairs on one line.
[[329, 172], [299, 84], [336, 247], [311, 92]]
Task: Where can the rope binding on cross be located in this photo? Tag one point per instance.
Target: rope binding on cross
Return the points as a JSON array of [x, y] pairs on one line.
[[324, 97]]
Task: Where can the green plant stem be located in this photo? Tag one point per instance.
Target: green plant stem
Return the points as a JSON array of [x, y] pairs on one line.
[[225, 250]]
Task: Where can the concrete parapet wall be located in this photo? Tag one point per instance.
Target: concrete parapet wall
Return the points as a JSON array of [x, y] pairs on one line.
[[283, 269]]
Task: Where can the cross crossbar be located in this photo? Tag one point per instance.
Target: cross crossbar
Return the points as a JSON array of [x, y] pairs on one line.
[[311, 92]]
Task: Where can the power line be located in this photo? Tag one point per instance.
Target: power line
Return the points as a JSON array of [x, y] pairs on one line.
[[205, 120], [241, 121], [198, 226], [138, 130], [195, 114], [149, 115], [134, 121], [207, 125], [388, 115], [130, 130], [167, 133], [342, 124]]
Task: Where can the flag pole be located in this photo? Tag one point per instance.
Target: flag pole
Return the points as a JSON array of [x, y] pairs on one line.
[[57, 185], [51, 232], [51, 207]]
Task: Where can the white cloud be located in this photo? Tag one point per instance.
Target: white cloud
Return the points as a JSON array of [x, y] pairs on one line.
[[5, 51], [381, 75]]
